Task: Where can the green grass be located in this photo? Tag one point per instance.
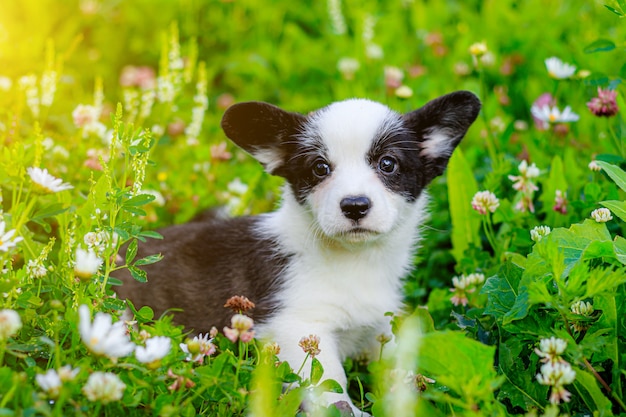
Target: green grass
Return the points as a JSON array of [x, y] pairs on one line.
[[136, 162]]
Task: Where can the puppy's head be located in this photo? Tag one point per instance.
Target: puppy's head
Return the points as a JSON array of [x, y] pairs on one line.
[[356, 166]]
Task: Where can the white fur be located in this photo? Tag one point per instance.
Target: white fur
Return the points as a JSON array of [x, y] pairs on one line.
[[338, 292], [338, 284], [437, 145], [268, 157], [348, 129]]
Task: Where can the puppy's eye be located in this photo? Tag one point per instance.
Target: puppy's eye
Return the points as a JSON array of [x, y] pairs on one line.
[[387, 164], [321, 168]]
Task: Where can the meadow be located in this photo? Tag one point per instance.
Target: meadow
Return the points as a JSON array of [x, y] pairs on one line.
[[109, 129]]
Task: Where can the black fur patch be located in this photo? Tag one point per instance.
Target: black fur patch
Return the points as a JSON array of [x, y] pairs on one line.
[[451, 114], [298, 167], [198, 272], [408, 179]]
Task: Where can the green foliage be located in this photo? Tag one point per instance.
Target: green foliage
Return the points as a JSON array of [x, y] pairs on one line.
[[121, 103], [461, 188], [464, 367]]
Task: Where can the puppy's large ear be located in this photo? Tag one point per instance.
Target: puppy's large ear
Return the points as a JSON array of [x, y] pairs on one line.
[[440, 125], [262, 129]]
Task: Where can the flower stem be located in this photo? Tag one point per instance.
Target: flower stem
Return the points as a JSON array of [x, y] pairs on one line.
[[303, 363], [3, 346], [25, 214], [7, 396], [299, 369], [490, 140], [489, 233], [617, 143]]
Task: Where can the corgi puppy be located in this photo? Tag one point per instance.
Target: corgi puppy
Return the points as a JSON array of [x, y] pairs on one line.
[[330, 261]]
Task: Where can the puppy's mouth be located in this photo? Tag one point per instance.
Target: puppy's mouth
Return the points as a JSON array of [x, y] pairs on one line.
[[358, 234]]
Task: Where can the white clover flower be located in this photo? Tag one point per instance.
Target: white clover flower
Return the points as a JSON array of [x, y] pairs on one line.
[[539, 232], [524, 181], [5, 83], [488, 59], [582, 308], [156, 348], [560, 202], [478, 48], [241, 322], [50, 382], [404, 91], [10, 323], [520, 125], [7, 239], [85, 115], [348, 67], [602, 215], [459, 296], [393, 76], [558, 69], [475, 279], [157, 130], [594, 166], [67, 373], [485, 201], [241, 326], [529, 171], [497, 124], [103, 337], [460, 282], [462, 69], [87, 263], [311, 345], [550, 350], [46, 183], [60, 152], [552, 114], [237, 187], [47, 143], [374, 51], [464, 285], [96, 129], [271, 348], [199, 347], [105, 387], [556, 375]]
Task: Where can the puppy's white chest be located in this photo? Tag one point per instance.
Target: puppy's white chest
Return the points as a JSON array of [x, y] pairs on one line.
[[343, 291]]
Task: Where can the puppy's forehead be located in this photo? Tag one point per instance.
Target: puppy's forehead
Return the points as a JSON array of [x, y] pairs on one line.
[[352, 125]]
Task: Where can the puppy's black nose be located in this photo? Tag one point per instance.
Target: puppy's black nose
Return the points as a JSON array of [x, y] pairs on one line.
[[355, 208]]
